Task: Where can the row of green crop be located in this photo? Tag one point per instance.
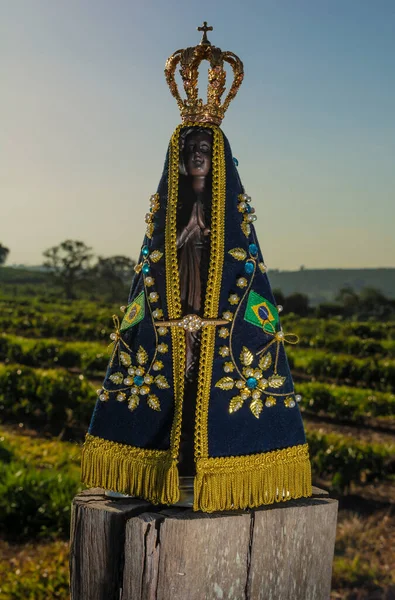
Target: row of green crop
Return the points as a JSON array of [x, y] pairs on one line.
[[346, 461], [369, 372], [53, 400], [35, 496], [38, 479], [89, 357], [78, 310], [309, 327], [77, 321], [343, 402], [59, 326], [359, 348]]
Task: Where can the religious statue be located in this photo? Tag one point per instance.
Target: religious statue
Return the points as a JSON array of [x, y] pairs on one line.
[[198, 384]]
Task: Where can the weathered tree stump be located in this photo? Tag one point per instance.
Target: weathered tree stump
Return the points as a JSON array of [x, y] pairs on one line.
[[130, 550]]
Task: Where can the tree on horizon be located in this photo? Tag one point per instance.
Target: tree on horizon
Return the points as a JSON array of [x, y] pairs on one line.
[[3, 254], [69, 263]]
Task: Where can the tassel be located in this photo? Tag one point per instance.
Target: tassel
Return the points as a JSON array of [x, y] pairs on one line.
[[148, 474], [231, 483]]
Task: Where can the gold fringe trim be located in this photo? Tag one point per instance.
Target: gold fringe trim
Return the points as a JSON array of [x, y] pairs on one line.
[[148, 474], [239, 482]]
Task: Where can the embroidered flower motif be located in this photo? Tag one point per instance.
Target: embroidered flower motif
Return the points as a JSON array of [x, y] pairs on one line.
[[153, 297], [234, 299], [289, 402], [149, 281], [158, 313], [162, 330], [224, 351], [227, 315], [138, 380], [223, 332], [103, 395], [252, 384], [270, 401], [242, 282]]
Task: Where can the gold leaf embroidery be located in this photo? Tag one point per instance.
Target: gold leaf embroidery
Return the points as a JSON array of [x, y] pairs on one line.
[[238, 253], [116, 378], [262, 267], [246, 356], [276, 381], [161, 382], [150, 229], [134, 401], [226, 383], [125, 359], [246, 228], [153, 402], [235, 404], [265, 361], [156, 255], [141, 356], [256, 407]]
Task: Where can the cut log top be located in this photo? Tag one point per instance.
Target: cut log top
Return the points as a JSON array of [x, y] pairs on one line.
[[127, 549]]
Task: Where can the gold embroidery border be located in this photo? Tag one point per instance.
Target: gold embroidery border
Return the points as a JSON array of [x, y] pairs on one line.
[[239, 482], [214, 280], [212, 292]]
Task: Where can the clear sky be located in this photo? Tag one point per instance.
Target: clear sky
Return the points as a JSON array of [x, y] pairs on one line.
[[86, 116]]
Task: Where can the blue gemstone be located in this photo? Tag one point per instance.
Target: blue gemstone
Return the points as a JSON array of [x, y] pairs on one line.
[[236, 161], [263, 312], [249, 267], [145, 251], [252, 383], [248, 208], [138, 380], [146, 268], [253, 249]]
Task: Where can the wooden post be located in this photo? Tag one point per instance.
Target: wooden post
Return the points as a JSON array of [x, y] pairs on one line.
[[130, 550]]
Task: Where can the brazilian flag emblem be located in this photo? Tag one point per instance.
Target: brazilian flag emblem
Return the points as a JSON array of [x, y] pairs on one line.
[[134, 313], [261, 312]]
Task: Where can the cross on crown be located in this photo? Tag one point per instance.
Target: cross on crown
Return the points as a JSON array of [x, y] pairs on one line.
[[205, 29]]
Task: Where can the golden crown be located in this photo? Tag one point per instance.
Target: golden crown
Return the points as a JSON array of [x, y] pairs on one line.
[[192, 108]]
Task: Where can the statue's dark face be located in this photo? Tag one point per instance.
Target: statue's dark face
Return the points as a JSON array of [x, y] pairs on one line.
[[197, 151]]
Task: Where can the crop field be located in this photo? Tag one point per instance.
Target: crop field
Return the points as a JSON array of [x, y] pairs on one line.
[[53, 355]]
